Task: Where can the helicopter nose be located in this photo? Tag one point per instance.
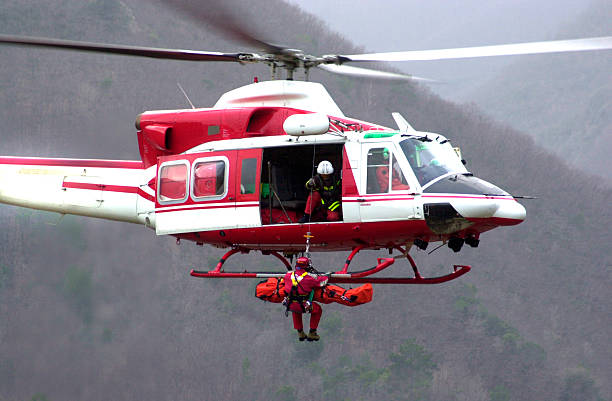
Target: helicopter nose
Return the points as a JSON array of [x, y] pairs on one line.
[[499, 210], [477, 200], [475, 208], [510, 212]]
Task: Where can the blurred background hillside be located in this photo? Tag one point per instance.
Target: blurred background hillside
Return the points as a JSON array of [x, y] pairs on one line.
[[99, 310]]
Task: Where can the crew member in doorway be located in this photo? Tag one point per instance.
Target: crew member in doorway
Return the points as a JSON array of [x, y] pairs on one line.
[[323, 202], [300, 285]]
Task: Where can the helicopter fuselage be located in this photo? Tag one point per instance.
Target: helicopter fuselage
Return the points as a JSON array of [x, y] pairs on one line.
[[231, 176]]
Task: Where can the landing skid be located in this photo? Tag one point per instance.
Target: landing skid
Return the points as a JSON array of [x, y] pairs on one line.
[[341, 276]]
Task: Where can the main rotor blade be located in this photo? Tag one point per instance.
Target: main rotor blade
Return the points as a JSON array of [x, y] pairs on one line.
[[169, 54], [224, 20], [368, 73], [555, 46]]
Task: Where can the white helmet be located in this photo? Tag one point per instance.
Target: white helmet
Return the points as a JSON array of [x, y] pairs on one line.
[[325, 167]]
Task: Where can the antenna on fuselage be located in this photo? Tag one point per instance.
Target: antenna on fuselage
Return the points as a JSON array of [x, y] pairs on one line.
[[185, 94], [402, 124]]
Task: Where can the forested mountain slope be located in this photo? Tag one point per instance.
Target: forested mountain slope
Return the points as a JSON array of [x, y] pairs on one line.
[[100, 310]]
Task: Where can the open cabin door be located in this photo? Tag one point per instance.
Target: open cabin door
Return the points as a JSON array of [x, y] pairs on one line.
[[196, 192], [285, 171]]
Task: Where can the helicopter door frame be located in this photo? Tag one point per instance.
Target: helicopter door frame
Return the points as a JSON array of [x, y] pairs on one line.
[[210, 201], [248, 184], [384, 204]]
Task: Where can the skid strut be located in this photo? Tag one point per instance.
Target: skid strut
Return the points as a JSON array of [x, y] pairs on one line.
[[343, 275], [219, 273]]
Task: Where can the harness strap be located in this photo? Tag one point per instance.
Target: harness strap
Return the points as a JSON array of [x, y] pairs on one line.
[[296, 280], [295, 296]]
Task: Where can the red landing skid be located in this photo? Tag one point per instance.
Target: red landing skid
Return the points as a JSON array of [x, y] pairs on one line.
[[341, 276]]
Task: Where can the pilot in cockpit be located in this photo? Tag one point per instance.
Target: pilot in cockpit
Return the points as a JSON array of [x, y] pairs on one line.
[[380, 159]]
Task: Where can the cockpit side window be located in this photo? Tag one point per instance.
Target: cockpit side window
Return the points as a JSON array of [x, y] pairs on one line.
[[379, 160], [398, 181]]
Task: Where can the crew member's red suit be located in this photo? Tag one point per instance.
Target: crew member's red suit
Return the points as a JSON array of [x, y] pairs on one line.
[[306, 283], [324, 199], [313, 205], [382, 176]]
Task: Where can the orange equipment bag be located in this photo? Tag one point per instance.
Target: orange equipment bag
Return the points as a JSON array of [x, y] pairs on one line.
[[351, 297], [273, 290]]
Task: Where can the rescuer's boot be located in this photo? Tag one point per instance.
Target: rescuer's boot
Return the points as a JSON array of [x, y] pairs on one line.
[[304, 219], [301, 335], [313, 336]]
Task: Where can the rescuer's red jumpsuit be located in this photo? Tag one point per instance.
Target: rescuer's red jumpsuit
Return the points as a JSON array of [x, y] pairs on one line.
[[306, 283]]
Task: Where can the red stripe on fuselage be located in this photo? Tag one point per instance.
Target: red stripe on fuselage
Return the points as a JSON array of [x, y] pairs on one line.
[[38, 161], [145, 195], [507, 197], [376, 199], [492, 222], [109, 188], [386, 197], [204, 206]]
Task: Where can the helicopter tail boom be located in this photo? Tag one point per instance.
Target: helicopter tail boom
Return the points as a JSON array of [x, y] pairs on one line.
[[108, 189]]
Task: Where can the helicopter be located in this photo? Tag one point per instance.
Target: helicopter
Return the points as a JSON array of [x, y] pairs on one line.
[[232, 175]]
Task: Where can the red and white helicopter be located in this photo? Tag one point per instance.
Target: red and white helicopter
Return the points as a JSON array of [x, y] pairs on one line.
[[233, 175]]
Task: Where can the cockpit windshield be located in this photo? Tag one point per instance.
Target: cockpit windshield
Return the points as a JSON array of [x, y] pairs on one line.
[[430, 158]]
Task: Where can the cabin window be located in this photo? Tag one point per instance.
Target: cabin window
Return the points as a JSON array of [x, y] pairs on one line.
[[173, 182], [209, 178], [248, 176]]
